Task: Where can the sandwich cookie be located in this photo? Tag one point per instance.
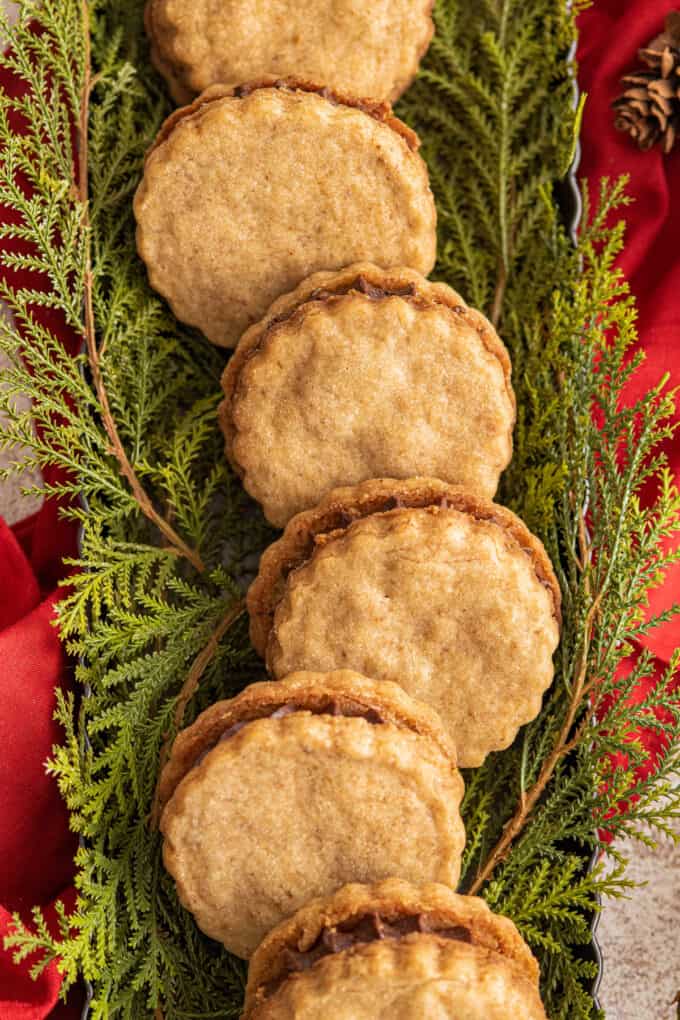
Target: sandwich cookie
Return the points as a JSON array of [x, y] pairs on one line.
[[296, 787], [398, 951], [424, 584], [254, 187], [366, 373], [368, 49]]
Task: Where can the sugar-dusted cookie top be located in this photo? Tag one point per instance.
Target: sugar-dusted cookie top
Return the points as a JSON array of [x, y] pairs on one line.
[[370, 49], [424, 584], [298, 787], [398, 950], [366, 373], [254, 187]]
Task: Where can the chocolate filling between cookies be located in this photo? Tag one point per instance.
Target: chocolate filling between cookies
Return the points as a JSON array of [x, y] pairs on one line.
[[360, 931], [341, 520], [373, 292], [335, 707], [372, 107], [382, 112], [360, 285]]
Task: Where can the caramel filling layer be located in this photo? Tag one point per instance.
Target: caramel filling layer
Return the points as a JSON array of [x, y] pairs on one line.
[[360, 285]]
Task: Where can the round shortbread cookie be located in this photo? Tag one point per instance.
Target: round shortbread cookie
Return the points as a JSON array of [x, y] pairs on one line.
[[366, 373], [421, 583], [254, 187], [367, 49], [294, 804]]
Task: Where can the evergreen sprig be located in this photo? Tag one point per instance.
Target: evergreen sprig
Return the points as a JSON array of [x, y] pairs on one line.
[[169, 539]]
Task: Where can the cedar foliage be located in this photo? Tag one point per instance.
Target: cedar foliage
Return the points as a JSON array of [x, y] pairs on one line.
[[169, 539]]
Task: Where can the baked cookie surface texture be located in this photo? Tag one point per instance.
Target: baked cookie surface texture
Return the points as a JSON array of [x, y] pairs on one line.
[[394, 950], [368, 49], [420, 583], [254, 187], [366, 373], [294, 788]]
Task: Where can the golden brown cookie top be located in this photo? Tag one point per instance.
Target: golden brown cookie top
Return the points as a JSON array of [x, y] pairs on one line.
[[339, 509], [368, 49], [386, 911], [341, 693], [366, 373], [346, 798], [254, 187]]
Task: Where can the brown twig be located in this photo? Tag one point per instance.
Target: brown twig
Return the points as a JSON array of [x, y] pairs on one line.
[[189, 688], [586, 551], [501, 284], [177, 544], [507, 238], [563, 744]]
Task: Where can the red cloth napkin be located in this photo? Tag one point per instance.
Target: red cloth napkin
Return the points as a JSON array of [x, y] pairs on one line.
[[35, 846]]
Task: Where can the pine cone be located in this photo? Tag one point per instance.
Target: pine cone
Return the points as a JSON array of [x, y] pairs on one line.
[[649, 109]]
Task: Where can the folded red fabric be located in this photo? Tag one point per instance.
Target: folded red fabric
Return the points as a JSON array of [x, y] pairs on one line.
[[22, 998], [35, 845]]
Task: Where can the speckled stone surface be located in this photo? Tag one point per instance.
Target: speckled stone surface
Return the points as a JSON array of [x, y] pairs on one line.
[[639, 937]]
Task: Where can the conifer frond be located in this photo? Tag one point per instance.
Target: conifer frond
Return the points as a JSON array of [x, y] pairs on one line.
[[158, 638]]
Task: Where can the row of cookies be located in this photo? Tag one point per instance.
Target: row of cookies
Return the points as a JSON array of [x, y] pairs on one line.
[[377, 500], [355, 373], [276, 798], [453, 605]]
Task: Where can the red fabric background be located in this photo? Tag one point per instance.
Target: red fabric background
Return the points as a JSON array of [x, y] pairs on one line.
[[35, 846], [611, 33]]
